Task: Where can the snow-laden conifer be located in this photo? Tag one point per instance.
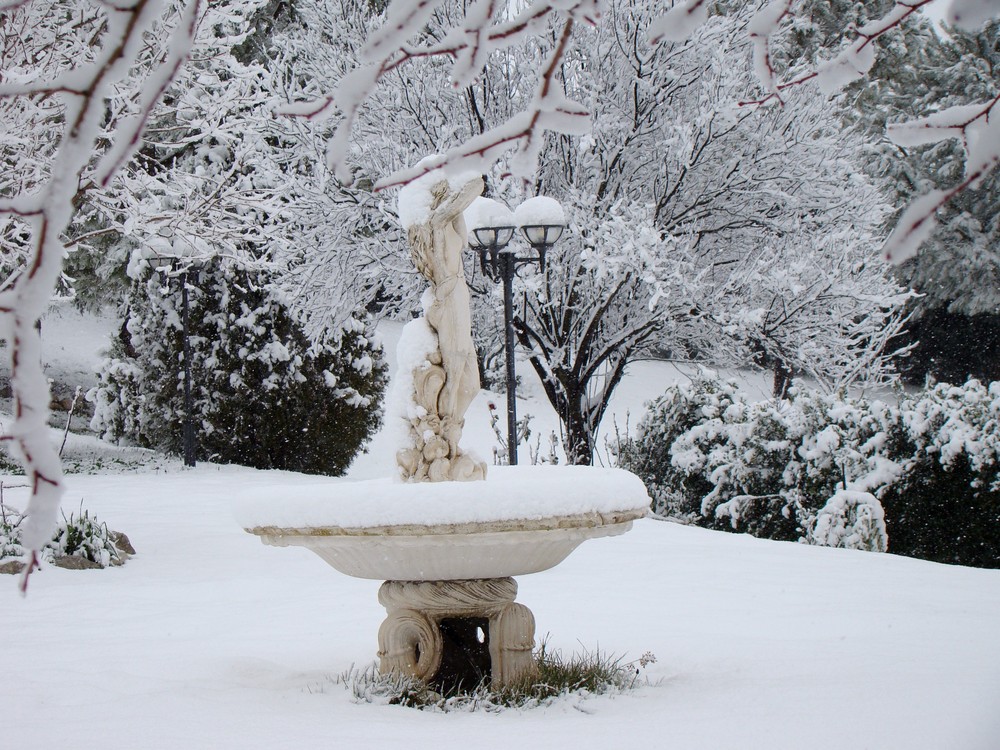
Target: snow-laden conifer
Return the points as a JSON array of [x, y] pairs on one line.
[[264, 394]]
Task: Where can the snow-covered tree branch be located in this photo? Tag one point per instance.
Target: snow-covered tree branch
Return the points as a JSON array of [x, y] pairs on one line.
[[488, 27], [979, 132], [105, 51]]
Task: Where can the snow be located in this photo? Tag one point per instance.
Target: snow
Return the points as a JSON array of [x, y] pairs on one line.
[[946, 123], [914, 227], [486, 212], [973, 124], [538, 211], [970, 15], [758, 643], [852, 64], [507, 494], [413, 205], [415, 343], [764, 23], [680, 22], [206, 638]]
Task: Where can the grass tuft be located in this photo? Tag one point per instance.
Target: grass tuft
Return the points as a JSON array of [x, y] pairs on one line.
[[582, 674]]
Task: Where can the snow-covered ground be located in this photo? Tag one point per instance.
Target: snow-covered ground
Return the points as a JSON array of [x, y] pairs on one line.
[[207, 639]]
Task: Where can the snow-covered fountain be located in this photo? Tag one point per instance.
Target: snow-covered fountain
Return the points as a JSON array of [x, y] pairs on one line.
[[447, 536]]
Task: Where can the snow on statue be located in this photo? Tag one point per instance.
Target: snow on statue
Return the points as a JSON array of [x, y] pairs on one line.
[[445, 371]]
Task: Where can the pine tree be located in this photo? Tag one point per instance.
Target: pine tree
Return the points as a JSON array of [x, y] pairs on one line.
[[264, 394]]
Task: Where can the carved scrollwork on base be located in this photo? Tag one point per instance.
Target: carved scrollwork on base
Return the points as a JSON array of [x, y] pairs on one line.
[[512, 641], [410, 641], [409, 644]]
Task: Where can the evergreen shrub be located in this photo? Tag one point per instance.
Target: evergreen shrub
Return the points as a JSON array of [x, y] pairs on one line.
[[946, 505], [264, 394], [921, 478]]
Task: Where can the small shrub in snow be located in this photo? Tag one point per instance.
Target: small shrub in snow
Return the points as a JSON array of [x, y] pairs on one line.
[[852, 520], [78, 535], [8, 465], [264, 394], [10, 537]]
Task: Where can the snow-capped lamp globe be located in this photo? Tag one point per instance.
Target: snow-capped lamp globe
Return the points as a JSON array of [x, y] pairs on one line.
[[491, 228], [445, 536], [542, 221]]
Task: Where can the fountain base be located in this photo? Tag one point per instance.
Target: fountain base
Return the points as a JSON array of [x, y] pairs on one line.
[[456, 634]]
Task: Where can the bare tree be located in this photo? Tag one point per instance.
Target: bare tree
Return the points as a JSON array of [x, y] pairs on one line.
[[610, 292], [741, 236]]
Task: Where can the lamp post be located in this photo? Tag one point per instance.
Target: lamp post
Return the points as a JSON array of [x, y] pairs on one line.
[[183, 271], [491, 228]]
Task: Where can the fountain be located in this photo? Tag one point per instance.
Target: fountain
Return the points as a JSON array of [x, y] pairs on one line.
[[446, 536]]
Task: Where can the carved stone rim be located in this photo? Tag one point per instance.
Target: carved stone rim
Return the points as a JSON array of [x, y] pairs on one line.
[[552, 523]]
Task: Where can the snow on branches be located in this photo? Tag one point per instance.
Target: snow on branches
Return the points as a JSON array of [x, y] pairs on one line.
[[489, 26], [979, 132], [978, 128], [81, 84]]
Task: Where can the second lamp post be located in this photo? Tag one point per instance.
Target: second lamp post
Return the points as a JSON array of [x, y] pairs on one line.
[[491, 227], [182, 272]]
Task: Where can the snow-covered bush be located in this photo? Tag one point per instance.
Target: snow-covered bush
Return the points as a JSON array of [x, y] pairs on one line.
[[79, 535], [766, 468], [923, 475], [263, 393], [675, 492], [946, 505], [853, 520], [774, 466]]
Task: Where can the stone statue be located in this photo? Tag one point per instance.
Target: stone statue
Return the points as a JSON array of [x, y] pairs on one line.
[[444, 390]]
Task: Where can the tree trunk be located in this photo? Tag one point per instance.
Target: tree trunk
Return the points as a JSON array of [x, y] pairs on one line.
[[579, 449], [579, 442], [782, 379]]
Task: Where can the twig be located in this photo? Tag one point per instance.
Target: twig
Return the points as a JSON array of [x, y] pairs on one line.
[[69, 418]]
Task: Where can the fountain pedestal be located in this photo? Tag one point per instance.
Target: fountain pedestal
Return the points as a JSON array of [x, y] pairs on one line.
[[456, 633]]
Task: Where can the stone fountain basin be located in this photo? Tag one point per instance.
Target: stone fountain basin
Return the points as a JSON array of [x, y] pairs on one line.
[[519, 520], [450, 552]]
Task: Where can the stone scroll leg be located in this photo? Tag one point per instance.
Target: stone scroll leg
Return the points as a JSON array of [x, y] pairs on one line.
[[512, 639], [409, 643]]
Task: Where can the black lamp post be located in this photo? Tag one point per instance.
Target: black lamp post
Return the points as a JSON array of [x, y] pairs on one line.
[[183, 271], [500, 265]]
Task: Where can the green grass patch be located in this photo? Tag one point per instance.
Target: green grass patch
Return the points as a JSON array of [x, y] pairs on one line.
[[582, 674]]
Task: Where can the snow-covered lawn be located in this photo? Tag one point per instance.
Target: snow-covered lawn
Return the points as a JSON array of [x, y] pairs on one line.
[[207, 639]]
